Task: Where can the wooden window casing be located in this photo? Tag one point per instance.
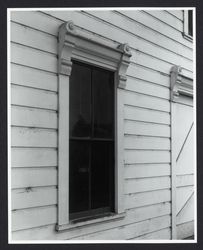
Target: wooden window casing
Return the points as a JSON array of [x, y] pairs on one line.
[[77, 45]]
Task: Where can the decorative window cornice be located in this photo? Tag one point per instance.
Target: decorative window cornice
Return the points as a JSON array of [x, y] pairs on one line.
[[180, 84], [73, 42]]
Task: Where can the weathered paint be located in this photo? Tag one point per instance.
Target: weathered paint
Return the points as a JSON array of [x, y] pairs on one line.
[[155, 38]]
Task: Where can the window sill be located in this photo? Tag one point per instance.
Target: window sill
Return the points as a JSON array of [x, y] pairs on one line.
[[74, 224], [188, 37]]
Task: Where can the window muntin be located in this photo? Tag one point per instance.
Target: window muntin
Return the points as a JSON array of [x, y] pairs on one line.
[[91, 137]]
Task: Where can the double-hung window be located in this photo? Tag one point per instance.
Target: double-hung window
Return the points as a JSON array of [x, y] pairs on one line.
[[91, 82], [91, 141]]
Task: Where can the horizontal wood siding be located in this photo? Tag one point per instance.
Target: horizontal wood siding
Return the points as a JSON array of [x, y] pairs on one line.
[[156, 42], [38, 223]]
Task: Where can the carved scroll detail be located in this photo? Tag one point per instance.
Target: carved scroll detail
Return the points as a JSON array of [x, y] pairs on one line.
[[123, 64], [180, 84], [68, 42]]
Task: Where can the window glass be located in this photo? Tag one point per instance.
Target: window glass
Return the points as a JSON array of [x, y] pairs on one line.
[[102, 180], [190, 22], [103, 103], [79, 176], [80, 101], [91, 142]]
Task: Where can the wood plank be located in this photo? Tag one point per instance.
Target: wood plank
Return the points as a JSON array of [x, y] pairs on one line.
[[33, 78], [146, 156], [185, 230], [163, 234], [33, 97], [164, 67], [185, 180], [35, 197], [183, 119], [146, 184], [24, 35], [187, 212], [33, 58], [142, 213], [146, 129], [31, 117], [33, 137], [156, 25], [146, 170], [186, 160], [182, 194], [147, 198], [146, 115], [148, 88], [37, 20], [141, 142], [173, 174], [167, 18], [35, 229], [28, 218], [33, 177], [145, 101], [129, 231], [119, 149], [141, 25], [146, 74], [33, 157], [177, 13], [63, 150]]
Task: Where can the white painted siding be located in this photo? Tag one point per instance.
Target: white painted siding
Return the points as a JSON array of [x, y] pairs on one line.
[[155, 38]]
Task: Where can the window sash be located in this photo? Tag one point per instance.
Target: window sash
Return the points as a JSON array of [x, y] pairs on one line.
[[87, 205]]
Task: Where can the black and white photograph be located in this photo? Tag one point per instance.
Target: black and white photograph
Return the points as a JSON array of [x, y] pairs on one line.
[[102, 125]]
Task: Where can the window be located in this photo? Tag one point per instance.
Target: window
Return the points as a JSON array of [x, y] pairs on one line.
[[190, 18], [188, 24], [91, 83], [91, 137]]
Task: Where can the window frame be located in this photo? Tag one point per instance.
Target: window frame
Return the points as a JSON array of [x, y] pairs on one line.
[[78, 44], [186, 34], [92, 138]]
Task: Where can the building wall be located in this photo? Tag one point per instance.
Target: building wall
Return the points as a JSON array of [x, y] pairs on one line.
[[157, 44]]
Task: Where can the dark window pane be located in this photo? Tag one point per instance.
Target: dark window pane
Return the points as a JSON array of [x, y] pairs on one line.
[[102, 168], [79, 176], [91, 153], [190, 21], [103, 103], [80, 99]]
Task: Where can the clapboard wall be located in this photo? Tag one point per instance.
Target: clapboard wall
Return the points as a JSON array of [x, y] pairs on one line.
[[155, 38]]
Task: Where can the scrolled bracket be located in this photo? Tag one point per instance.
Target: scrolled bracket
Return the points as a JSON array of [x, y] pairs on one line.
[[180, 84], [123, 65], [175, 81], [66, 47]]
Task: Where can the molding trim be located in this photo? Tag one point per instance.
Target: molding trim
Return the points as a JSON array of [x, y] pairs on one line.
[[72, 40], [180, 84]]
